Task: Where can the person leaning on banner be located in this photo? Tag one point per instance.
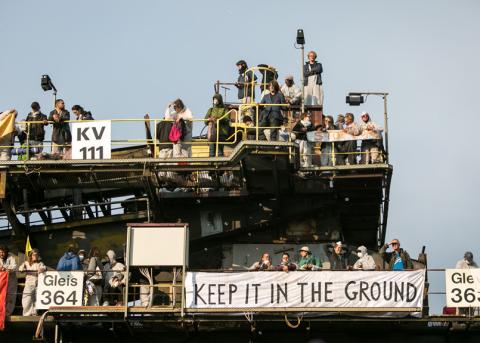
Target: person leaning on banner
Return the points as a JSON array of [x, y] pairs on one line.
[[349, 148], [61, 135], [286, 265], [8, 264], [365, 261], [31, 267], [264, 264], [371, 148], [337, 257], [36, 130], [398, 259], [307, 261], [217, 114]]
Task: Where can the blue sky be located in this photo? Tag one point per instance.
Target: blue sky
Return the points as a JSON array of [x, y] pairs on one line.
[[124, 59]]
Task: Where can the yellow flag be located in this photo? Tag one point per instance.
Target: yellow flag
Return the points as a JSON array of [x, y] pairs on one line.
[[7, 122], [28, 247]]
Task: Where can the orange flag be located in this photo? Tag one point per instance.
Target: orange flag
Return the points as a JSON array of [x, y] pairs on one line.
[[3, 298], [7, 122]]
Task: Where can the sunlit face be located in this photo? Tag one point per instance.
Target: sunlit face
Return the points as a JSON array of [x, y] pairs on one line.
[[35, 256], [3, 254], [265, 257], [61, 105], [311, 57], [303, 253], [285, 258], [76, 112], [271, 88], [348, 120], [338, 249], [239, 66], [395, 245]]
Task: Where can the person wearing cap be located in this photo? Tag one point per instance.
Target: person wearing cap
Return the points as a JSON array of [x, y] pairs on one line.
[[398, 259], [313, 89], [370, 147], [246, 92], [338, 260], [291, 92], [69, 261], [467, 262], [365, 261], [307, 261]]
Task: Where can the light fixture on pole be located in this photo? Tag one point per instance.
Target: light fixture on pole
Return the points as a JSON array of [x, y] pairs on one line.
[[357, 98], [47, 85], [301, 42]]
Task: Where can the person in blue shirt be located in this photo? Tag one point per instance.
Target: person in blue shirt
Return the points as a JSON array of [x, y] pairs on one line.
[[398, 259], [70, 261]]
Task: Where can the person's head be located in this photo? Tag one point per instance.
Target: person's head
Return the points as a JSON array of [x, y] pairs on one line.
[[349, 118], [468, 257], [338, 247], [94, 252], [365, 117], [33, 256], [241, 65], [265, 257], [217, 100], [111, 256], [312, 56], [82, 254], [72, 249], [328, 121], [361, 251], [77, 110], [304, 251], [306, 116], [274, 87], [3, 252], [178, 105], [35, 106], [395, 244], [247, 120], [59, 104], [340, 118], [285, 257], [289, 80]]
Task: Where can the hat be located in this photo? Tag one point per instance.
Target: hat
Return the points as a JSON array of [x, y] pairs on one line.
[[362, 249], [365, 114], [468, 256], [289, 77], [241, 62], [81, 251], [306, 249], [111, 255], [339, 243]]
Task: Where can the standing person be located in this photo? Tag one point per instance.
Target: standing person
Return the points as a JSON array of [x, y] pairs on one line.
[[349, 148], [81, 114], [61, 135], [214, 114], [8, 264], [291, 92], [313, 89], [36, 131], [326, 147], [114, 280], [32, 267], [286, 265], [182, 117], [337, 258], [300, 130], [264, 264], [245, 83], [307, 261], [340, 122], [69, 261], [398, 259], [365, 261], [82, 257], [370, 148], [271, 116], [467, 262], [94, 275]]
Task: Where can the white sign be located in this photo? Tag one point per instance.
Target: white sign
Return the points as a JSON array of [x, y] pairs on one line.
[[59, 289], [91, 140], [313, 289], [462, 287]]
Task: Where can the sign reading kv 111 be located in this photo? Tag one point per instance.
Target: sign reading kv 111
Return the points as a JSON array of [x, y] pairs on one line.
[[91, 140]]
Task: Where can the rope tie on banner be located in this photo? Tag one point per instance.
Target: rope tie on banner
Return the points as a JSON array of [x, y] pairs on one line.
[[292, 326], [249, 316], [39, 330]]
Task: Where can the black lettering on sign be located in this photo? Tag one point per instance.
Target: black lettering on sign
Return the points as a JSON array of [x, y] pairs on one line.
[[98, 135], [353, 294], [302, 285], [210, 294], [231, 289], [319, 291], [283, 291], [256, 285], [328, 291], [220, 293], [196, 294], [411, 292], [82, 133]]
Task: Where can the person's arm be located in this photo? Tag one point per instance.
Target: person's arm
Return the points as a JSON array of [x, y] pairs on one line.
[[65, 116], [408, 260], [12, 265], [41, 267], [22, 267], [383, 251], [207, 116]]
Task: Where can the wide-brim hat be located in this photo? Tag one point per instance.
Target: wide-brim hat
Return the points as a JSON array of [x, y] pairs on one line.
[[306, 249]]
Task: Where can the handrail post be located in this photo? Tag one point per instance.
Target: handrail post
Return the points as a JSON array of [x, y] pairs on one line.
[[385, 119], [155, 138], [28, 141]]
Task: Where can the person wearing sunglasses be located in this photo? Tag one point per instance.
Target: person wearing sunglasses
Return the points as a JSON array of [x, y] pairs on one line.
[[365, 261], [397, 259]]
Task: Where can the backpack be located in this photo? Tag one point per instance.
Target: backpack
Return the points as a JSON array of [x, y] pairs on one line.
[[175, 133]]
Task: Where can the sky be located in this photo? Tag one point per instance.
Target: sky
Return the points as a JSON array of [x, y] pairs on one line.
[[122, 59]]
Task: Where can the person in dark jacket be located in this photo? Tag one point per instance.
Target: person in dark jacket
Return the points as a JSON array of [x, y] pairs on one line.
[[286, 265], [271, 116], [337, 258], [61, 135], [246, 93], [300, 130], [217, 115], [398, 259], [313, 89], [81, 114], [70, 261], [36, 130]]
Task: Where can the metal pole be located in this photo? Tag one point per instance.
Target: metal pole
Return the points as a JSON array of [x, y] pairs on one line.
[[127, 260], [303, 79], [385, 119]]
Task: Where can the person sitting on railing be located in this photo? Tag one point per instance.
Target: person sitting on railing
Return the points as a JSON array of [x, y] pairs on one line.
[[70, 260], [81, 114], [217, 115], [398, 259], [264, 264], [371, 148], [300, 130], [36, 131], [31, 267], [286, 265], [365, 261], [326, 147], [313, 89], [246, 92], [271, 116], [349, 148], [307, 261], [61, 135], [114, 280], [8, 264], [292, 94], [182, 118], [337, 257]]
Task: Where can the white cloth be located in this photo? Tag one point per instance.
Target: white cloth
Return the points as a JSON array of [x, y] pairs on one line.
[[30, 289], [305, 152], [293, 92], [365, 263], [313, 93]]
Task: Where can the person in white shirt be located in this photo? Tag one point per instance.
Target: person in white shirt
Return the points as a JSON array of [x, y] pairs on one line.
[[467, 262], [31, 267], [370, 148], [179, 113], [291, 92], [365, 261]]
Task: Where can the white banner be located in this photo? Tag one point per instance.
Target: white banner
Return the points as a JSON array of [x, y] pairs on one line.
[[91, 140], [59, 289], [315, 289], [462, 287], [340, 136]]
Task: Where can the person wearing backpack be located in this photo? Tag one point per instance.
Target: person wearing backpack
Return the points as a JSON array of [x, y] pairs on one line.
[[182, 118], [218, 123]]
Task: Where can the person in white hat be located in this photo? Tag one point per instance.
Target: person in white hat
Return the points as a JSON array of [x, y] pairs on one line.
[[365, 261], [290, 91], [307, 261]]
